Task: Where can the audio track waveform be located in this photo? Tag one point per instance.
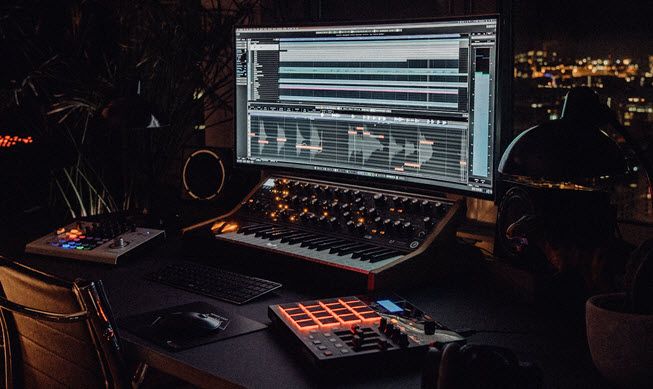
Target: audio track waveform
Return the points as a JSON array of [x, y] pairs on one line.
[[391, 148]]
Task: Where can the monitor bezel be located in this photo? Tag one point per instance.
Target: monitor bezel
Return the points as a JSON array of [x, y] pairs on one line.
[[499, 90]]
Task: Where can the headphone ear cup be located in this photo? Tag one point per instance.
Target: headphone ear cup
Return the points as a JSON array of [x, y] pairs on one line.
[[488, 367], [451, 367]]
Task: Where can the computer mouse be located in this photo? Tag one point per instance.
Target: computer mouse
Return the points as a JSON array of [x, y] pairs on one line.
[[178, 325]]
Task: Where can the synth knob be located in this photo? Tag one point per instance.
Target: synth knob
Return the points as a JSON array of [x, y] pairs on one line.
[[323, 221], [396, 226], [333, 222], [346, 216], [376, 222], [312, 219], [414, 205], [119, 242], [403, 202], [311, 190], [429, 327], [324, 205], [395, 334], [426, 206], [295, 201], [382, 323], [430, 222], [438, 208], [314, 204], [345, 194], [357, 342], [380, 200], [351, 225], [402, 339], [407, 228], [358, 202], [360, 229], [371, 212]]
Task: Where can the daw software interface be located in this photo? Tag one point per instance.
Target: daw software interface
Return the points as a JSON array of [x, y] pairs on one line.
[[408, 102]]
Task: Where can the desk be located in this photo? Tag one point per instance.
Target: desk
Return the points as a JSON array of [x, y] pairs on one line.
[[262, 360]]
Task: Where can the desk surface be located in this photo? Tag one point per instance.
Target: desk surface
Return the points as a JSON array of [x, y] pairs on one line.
[[261, 359]]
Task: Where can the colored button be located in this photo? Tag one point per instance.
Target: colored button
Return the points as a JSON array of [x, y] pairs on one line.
[[328, 353], [306, 323], [321, 347], [294, 311], [317, 342], [300, 317], [349, 318]]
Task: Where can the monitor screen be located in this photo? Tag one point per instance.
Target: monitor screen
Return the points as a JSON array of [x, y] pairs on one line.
[[410, 103]]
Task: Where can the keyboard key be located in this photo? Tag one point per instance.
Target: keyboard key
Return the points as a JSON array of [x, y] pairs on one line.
[[360, 253], [384, 255]]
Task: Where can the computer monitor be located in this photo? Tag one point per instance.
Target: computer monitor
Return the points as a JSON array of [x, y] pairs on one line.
[[402, 102]]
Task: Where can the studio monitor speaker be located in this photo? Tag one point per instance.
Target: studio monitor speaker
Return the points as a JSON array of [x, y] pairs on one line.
[[208, 175]]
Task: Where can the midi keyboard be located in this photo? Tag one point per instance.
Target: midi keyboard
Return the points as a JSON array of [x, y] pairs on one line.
[[352, 228]]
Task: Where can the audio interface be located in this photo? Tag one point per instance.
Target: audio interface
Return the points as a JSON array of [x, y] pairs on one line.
[[103, 241]]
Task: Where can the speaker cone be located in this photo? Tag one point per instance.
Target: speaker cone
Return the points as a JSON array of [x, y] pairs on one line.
[[203, 175]]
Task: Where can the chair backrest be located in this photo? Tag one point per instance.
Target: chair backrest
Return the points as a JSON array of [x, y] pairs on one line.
[[57, 333]]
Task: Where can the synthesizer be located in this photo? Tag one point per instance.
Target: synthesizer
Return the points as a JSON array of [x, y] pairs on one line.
[[374, 233], [105, 240], [348, 331]]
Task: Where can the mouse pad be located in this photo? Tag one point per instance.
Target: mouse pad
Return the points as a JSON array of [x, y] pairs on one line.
[[229, 325]]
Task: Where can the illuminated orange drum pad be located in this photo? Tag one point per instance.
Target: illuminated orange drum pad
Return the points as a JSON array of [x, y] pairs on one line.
[[358, 327]]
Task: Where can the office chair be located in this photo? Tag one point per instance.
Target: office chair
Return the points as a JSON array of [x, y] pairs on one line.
[[59, 334]]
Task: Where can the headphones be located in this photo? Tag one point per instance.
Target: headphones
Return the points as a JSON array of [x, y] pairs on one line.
[[472, 366]]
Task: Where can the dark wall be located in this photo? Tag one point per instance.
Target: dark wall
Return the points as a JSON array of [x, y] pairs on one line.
[[334, 10]]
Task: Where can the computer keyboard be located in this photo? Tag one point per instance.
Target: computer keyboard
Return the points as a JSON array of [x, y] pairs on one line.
[[213, 282]]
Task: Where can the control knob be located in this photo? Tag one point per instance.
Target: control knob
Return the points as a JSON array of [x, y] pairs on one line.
[[380, 200]]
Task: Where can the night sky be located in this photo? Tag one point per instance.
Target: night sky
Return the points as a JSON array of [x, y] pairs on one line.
[[582, 27]]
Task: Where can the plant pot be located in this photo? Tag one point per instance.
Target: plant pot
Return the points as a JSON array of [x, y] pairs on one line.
[[621, 343]]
